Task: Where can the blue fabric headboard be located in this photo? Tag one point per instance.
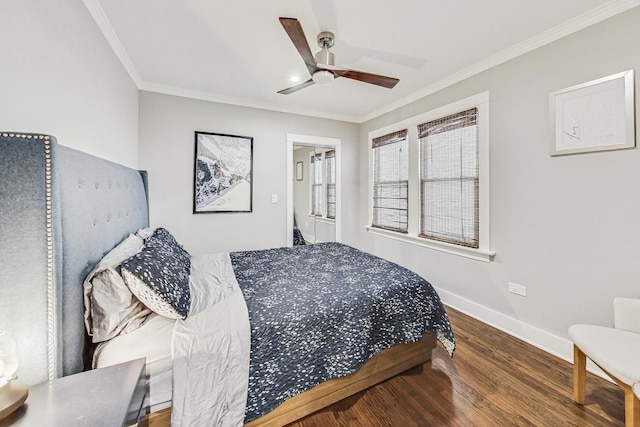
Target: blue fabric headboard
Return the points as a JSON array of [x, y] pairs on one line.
[[61, 210]]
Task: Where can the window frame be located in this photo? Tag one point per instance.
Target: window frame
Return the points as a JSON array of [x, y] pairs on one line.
[[323, 215], [483, 252], [313, 156], [328, 171]]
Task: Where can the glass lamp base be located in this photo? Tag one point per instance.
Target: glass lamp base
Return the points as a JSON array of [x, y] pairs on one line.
[[12, 396]]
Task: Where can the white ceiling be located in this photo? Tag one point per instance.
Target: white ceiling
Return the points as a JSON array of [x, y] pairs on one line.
[[237, 52]]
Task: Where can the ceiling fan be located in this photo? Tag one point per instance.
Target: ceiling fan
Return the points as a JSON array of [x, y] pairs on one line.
[[321, 67]]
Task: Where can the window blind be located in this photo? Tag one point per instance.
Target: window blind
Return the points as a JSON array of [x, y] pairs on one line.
[[316, 184], [330, 162], [449, 179], [391, 181]]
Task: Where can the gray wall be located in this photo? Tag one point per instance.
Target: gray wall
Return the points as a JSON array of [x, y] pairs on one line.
[[58, 75], [566, 227], [167, 126]]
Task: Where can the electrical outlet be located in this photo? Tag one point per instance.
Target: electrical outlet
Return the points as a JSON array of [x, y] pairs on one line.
[[518, 289], [274, 198]]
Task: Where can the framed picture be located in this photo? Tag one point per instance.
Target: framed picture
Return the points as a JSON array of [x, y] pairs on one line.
[[222, 173], [299, 171], [593, 116]]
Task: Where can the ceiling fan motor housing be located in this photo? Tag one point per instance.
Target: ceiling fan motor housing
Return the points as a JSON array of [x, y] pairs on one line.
[[325, 56], [326, 39]]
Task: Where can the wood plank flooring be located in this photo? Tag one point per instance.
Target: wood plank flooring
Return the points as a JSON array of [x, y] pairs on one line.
[[493, 380]]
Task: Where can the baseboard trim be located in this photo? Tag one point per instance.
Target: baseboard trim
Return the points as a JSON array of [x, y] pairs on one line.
[[552, 344]]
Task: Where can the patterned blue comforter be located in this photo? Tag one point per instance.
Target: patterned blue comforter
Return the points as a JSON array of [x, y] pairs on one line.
[[321, 311]]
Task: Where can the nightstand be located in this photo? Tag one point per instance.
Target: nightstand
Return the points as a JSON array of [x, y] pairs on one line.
[[106, 397]]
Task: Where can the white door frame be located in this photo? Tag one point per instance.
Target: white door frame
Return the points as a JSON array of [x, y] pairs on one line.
[[314, 141]]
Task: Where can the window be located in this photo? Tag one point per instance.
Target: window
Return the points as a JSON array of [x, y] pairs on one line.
[[330, 163], [449, 179], [323, 184], [391, 181], [430, 179], [316, 185]]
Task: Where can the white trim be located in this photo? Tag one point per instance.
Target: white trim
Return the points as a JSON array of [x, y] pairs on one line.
[[571, 26], [312, 172], [109, 33], [243, 102], [484, 252], [325, 219], [477, 254], [316, 141], [546, 341], [307, 237], [436, 113]]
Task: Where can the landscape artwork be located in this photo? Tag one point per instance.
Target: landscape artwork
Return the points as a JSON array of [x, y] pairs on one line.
[[222, 176]]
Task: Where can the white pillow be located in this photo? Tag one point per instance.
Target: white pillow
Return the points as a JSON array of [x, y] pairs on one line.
[[145, 233], [110, 307]]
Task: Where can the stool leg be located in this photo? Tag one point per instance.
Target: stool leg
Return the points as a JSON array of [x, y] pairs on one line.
[[579, 375], [631, 408]]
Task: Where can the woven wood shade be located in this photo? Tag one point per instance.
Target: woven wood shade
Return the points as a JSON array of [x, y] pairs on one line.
[[391, 182], [449, 179]]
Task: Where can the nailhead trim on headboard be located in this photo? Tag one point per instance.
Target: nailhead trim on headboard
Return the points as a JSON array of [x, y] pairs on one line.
[[51, 317]]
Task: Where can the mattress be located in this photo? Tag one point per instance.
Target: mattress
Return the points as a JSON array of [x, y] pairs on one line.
[[153, 341]]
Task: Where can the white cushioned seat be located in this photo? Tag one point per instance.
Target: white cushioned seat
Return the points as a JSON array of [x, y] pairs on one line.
[[614, 350]]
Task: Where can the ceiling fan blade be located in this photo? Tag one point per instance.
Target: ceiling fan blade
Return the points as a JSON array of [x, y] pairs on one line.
[[374, 79], [294, 30], [296, 88]]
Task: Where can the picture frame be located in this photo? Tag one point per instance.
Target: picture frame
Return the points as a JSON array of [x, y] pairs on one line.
[[299, 166], [222, 173], [594, 116]]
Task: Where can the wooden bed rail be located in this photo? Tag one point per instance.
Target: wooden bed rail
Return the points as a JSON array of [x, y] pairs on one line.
[[384, 365]]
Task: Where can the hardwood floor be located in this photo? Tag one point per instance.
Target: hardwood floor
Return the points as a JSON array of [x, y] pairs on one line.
[[493, 380]]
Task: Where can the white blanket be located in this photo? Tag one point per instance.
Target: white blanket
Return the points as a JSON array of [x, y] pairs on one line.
[[210, 349]]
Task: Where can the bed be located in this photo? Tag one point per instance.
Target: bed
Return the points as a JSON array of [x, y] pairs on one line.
[[64, 210], [298, 238]]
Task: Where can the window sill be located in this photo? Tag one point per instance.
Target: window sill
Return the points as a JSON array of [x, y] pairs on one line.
[[322, 219], [476, 254]]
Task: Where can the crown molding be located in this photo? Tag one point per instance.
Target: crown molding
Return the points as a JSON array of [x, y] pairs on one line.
[[607, 10], [571, 26], [243, 102], [109, 33]]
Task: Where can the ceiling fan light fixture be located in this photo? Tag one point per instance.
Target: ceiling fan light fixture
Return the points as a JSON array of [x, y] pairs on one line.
[[323, 77]]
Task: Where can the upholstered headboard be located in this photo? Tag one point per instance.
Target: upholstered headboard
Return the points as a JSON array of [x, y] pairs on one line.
[[61, 210]]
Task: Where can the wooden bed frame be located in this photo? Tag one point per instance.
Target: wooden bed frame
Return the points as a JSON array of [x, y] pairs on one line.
[[61, 211], [384, 365]]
